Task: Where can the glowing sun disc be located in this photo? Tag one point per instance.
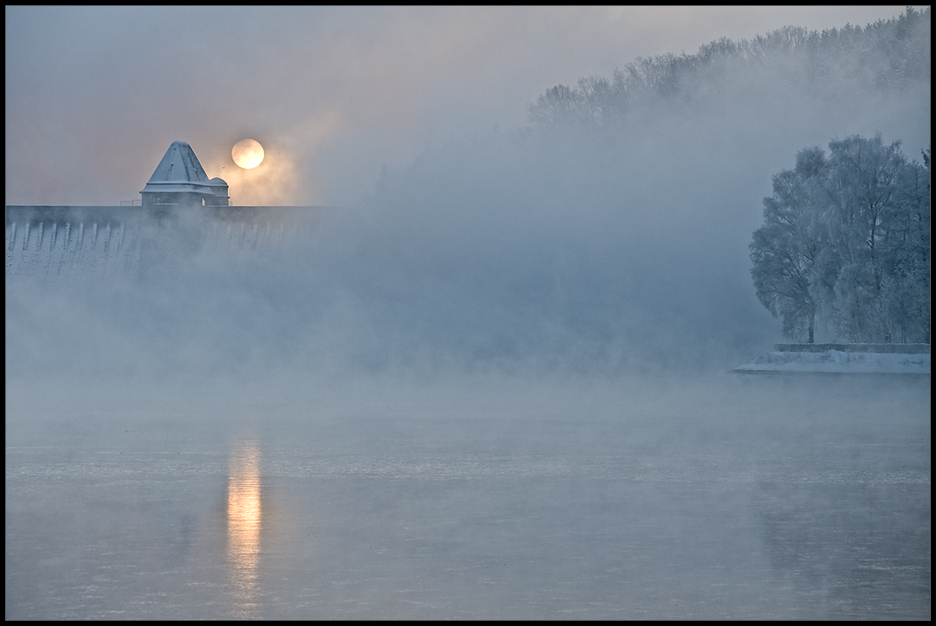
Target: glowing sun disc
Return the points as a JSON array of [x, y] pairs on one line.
[[247, 153]]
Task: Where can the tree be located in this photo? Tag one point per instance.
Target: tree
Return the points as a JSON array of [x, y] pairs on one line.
[[784, 250], [862, 186], [906, 256], [847, 239]]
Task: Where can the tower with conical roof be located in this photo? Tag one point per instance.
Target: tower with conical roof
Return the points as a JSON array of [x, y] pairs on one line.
[[180, 181]]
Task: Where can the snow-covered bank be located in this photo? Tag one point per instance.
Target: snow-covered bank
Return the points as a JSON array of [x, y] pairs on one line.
[[840, 359]]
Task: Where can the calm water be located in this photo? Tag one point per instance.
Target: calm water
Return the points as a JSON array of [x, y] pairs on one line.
[[725, 498]]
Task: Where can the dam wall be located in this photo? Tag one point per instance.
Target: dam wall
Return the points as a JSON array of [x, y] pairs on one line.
[[53, 241], [878, 348]]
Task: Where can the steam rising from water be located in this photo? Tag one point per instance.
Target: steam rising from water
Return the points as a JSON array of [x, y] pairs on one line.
[[613, 249]]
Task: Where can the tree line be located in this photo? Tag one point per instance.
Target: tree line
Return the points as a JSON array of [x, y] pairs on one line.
[[883, 56], [845, 244]]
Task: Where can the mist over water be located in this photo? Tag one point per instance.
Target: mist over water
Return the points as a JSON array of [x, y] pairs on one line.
[[617, 246], [494, 389], [479, 497], [221, 439]]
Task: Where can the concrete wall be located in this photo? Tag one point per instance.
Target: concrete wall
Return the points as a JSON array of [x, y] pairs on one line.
[[892, 348], [52, 241]]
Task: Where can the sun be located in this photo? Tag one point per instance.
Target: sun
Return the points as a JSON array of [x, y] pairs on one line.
[[247, 153]]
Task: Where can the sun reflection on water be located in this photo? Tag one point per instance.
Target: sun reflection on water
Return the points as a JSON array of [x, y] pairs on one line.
[[243, 527]]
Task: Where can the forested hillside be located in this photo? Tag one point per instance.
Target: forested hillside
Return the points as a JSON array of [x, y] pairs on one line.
[[845, 246], [886, 56], [612, 231]]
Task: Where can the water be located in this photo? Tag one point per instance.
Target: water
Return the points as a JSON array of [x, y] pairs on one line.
[[473, 498]]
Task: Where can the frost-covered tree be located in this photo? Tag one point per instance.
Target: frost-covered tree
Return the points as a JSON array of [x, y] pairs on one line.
[[785, 248], [846, 239], [906, 256], [863, 185]]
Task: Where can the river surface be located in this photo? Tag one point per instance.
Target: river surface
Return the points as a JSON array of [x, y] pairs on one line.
[[489, 498]]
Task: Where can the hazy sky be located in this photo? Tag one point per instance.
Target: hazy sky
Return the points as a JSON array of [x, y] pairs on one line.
[[95, 95]]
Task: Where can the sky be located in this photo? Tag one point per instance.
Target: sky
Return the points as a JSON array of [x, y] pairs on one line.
[[95, 95]]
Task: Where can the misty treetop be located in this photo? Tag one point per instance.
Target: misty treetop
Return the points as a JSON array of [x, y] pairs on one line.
[[884, 56], [846, 244]]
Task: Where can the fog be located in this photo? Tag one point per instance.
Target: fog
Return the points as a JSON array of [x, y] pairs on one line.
[[617, 249], [492, 385], [94, 95]]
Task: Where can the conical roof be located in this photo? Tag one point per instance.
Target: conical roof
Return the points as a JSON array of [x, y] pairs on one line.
[[179, 171]]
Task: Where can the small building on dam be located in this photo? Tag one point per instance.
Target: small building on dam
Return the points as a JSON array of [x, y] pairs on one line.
[[180, 180]]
